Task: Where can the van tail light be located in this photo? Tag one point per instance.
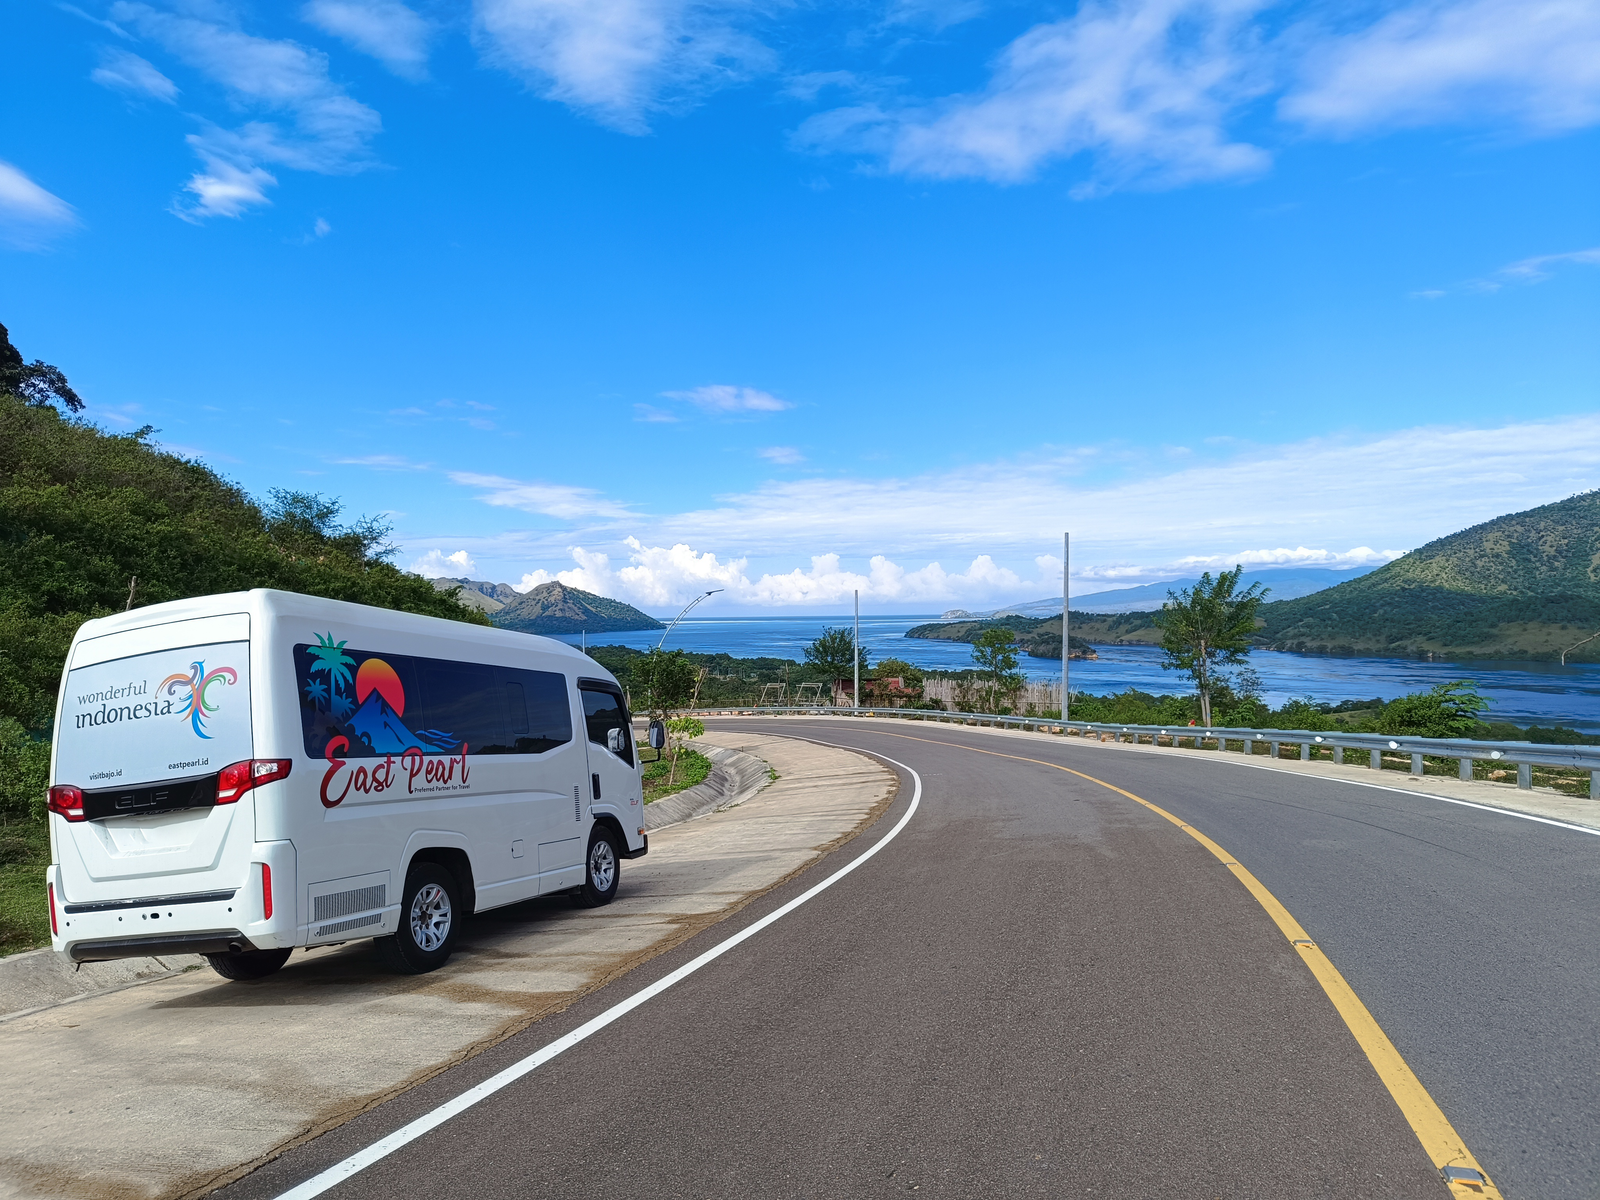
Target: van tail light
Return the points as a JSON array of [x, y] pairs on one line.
[[266, 892], [66, 801], [55, 930], [234, 781]]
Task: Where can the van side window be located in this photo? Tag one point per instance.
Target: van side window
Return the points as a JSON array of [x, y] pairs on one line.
[[603, 710], [368, 705], [460, 700], [546, 714]]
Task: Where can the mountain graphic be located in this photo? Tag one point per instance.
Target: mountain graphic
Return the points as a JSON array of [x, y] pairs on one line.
[[376, 724]]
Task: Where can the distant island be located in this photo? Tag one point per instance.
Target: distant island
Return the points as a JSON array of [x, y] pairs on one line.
[[1525, 585], [549, 608], [1036, 637]]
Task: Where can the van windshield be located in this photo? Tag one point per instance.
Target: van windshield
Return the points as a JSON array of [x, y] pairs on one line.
[[169, 714]]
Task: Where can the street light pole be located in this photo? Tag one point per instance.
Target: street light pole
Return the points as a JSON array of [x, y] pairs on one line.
[[856, 695], [1066, 641], [681, 615]]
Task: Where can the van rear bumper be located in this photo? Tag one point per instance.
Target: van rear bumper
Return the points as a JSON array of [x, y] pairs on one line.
[[644, 848], [222, 941]]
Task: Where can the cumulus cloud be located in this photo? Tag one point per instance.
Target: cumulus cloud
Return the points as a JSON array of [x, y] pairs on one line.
[[1534, 63], [657, 576], [548, 499], [727, 398], [620, 60], [29, 215], [328, 131], [390, 32], [436, 564], [125, 72]]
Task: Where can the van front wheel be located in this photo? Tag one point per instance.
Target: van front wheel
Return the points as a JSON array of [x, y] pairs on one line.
[[248, 964], [430, 914], [601, 869]]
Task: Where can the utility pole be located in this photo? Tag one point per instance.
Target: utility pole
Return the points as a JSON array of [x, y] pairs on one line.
[[1066, 641], [856, 698]]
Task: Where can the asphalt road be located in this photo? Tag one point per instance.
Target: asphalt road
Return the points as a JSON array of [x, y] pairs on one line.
[[1040, 988]]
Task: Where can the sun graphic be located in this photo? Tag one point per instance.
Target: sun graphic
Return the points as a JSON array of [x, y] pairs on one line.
[[375, 675]]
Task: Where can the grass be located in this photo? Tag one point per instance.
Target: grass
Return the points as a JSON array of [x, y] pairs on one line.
[[24, 915], [693, 767]]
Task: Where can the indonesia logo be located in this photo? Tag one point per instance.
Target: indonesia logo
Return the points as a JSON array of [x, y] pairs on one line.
[[194, 687]]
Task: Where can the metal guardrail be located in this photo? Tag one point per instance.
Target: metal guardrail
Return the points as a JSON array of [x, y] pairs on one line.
[[1523, 755]]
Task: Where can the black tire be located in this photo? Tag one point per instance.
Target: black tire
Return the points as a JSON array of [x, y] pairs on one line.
[[430, 916], [248, 964], [602, 868]]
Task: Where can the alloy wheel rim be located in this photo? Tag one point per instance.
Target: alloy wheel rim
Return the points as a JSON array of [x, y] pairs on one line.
[[430, 916], [602, 865]]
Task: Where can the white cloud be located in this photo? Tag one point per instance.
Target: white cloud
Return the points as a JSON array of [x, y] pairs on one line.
[[650, 414], [657, 576], [548, 499], [1144, 85], [436, 564], [1330, 501], [1534, 63], [619, 60], [1541, 267], [329, 131], [125, 72], [786, 456], [1148, 89], [29, 215], [386, 29], [727, 398], [383, 462]]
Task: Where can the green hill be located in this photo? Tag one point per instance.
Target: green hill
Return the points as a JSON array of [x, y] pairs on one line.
[[87, 515], [556, 608], [1526, 585]]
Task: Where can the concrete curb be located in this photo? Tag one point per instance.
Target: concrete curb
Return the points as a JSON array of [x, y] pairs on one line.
[[735, 777], [38, 979]]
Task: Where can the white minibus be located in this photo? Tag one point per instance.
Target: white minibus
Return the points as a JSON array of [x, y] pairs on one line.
[[238, 775]]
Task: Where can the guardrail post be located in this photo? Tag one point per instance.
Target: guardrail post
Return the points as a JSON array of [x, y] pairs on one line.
[[1222, 744], [1416, 765], [1464, 768], [1276, 750], [1305, 751], [1525, 776], [1594, 785], [1338, 755], [1376, 760]]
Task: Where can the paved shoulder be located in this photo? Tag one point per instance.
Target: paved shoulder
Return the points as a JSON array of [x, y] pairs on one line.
[[175, 1085]]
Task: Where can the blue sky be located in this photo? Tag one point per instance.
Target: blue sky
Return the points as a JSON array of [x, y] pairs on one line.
[[794, 299]]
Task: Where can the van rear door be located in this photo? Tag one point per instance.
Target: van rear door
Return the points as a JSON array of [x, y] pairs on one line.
[[148, 718]]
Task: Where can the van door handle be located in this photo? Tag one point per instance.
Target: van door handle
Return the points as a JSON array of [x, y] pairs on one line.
[[596, 779]]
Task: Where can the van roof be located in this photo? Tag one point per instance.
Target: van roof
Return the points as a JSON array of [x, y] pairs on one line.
[[270, 602]]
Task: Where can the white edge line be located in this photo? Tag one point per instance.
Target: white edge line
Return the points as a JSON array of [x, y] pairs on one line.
[[386, 1146]]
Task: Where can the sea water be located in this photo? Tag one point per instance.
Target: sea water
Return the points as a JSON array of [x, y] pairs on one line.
[[1543, 693]]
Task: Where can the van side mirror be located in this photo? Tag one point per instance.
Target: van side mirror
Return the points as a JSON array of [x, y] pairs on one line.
[[616, 741], [658, 735]]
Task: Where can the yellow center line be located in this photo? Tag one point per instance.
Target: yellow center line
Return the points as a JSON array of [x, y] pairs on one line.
[[1433, 1129]]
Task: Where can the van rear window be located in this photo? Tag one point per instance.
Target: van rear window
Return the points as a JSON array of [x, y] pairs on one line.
[[169, 714], [382, 703]]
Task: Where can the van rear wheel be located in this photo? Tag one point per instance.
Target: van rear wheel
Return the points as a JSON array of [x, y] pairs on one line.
[[430, 914], [248, 964]]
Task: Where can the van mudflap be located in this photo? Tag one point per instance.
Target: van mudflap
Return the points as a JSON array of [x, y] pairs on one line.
[[108, 949]]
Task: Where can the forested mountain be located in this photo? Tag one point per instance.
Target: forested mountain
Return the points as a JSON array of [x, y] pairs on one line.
[[1522, 585], [92, 521], [556, 608]]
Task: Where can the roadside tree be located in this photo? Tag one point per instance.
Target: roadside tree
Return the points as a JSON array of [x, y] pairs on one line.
[[834, 653], [1207, 627], [995, 652], [663, 681], [1448, 710]]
